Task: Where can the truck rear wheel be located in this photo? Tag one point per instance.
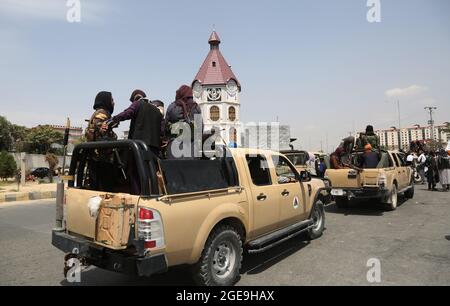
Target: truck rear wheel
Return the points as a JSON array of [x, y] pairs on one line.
[[221, 258], [318, 217], [341, 202], [392, 200]]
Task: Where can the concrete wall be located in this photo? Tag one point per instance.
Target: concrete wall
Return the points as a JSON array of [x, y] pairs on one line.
[[33, 161]]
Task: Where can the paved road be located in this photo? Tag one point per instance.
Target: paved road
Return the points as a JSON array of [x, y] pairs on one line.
[[412, 243]]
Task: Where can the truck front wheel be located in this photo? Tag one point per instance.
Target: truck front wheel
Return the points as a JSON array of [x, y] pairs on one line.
[[409, 194], [221, 258], [318, 217]]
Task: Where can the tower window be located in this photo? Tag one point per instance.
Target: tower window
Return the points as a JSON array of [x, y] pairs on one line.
[[214, 64], [232, 114], [214, 113]]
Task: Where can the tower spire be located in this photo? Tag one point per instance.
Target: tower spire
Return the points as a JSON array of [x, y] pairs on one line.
[[214, 40]]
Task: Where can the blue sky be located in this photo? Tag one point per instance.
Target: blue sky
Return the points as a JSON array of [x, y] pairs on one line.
[[317, 65]]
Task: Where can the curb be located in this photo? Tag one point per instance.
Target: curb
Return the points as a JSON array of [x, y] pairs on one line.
[[27, 196]]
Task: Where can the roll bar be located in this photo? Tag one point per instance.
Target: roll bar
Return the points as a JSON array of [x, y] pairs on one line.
[[142, 156]]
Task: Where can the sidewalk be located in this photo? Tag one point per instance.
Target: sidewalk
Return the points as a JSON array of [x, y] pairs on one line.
[[28, 192]]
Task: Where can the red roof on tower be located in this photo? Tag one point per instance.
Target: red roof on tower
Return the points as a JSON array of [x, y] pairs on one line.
[[215, 69]]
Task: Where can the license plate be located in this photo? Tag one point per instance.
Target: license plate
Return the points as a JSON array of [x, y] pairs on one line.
[[337, 192]]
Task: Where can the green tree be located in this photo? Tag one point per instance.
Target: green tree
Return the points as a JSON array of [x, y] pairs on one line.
[[40, 139], [8, 166], [12, 136], [5, 134], [18, 132], [52, 161]]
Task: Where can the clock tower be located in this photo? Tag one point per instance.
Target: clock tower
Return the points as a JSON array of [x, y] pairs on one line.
[[217, 92]]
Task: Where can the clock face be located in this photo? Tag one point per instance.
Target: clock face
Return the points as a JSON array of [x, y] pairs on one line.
[[214, 94], [232, 88], [197, 90]]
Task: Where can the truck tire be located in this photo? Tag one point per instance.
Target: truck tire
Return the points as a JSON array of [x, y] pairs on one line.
[[341, 202], [221, 258], [318, 217], [409, 194], [392, 200]]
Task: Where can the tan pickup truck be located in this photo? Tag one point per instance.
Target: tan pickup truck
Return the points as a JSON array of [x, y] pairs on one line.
[[392, 177], [142, 215]]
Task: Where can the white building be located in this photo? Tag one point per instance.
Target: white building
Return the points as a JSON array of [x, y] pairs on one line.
[[217, 92], [267, 136], [391, 138]]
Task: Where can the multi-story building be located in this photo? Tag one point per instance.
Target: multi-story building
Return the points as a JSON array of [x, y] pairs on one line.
[[75, 133], [393, 138]]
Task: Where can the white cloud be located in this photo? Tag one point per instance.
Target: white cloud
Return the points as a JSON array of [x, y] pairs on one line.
[[48, 9], [410, 91], [51, 9]]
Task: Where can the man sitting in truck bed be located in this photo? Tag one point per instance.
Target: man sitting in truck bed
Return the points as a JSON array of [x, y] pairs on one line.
[[336, 159], [369, 160]]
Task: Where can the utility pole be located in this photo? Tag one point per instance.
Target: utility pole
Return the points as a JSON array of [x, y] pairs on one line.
[[431, 110], [60, 185], [399, 125]]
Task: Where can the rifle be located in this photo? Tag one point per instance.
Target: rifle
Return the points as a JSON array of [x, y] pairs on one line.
[[121, 165], [112, 124]]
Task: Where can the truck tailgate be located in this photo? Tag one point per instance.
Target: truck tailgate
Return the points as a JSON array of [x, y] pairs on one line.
[[344, 178], [109, 226], [370, 177]]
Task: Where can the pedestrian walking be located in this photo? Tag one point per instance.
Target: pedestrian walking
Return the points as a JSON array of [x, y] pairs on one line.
[[432, 172], [443, 164], [421, 160]]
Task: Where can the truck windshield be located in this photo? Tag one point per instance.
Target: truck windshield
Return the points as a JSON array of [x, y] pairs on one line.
[[298, 159]]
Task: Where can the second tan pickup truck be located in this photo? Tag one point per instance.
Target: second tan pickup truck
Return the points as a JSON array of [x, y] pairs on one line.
[[141, 215], [391, 178]]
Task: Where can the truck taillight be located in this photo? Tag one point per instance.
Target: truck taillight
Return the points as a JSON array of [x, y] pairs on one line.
[[150, 228], [382, 180]]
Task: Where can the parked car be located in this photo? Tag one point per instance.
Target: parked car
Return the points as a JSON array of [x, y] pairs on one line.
[[40, 172]]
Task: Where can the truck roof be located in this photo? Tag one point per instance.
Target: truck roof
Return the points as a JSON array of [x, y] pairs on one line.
[[247, 151]]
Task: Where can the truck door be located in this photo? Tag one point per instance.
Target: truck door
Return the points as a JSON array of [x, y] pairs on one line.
[[264, 194], [403, 170], [293, 194]]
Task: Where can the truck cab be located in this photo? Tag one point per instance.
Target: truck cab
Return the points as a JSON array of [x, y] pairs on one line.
[[141, 215], [391, 178]]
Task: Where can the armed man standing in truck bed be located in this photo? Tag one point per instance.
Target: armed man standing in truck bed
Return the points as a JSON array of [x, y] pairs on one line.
[[145, 119]]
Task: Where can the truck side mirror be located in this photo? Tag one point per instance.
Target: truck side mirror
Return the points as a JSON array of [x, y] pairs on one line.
[[304, 176]]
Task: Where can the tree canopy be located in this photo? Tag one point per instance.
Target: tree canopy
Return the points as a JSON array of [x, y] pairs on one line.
[[6, 140], [8, 166], [40, 139]]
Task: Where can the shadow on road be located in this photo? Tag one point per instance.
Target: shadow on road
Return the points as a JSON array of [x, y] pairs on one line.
[[258, 263], [363, 208], [180, 276]]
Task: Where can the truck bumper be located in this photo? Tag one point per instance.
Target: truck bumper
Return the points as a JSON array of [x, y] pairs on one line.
[[361, 193], [108, 259]]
